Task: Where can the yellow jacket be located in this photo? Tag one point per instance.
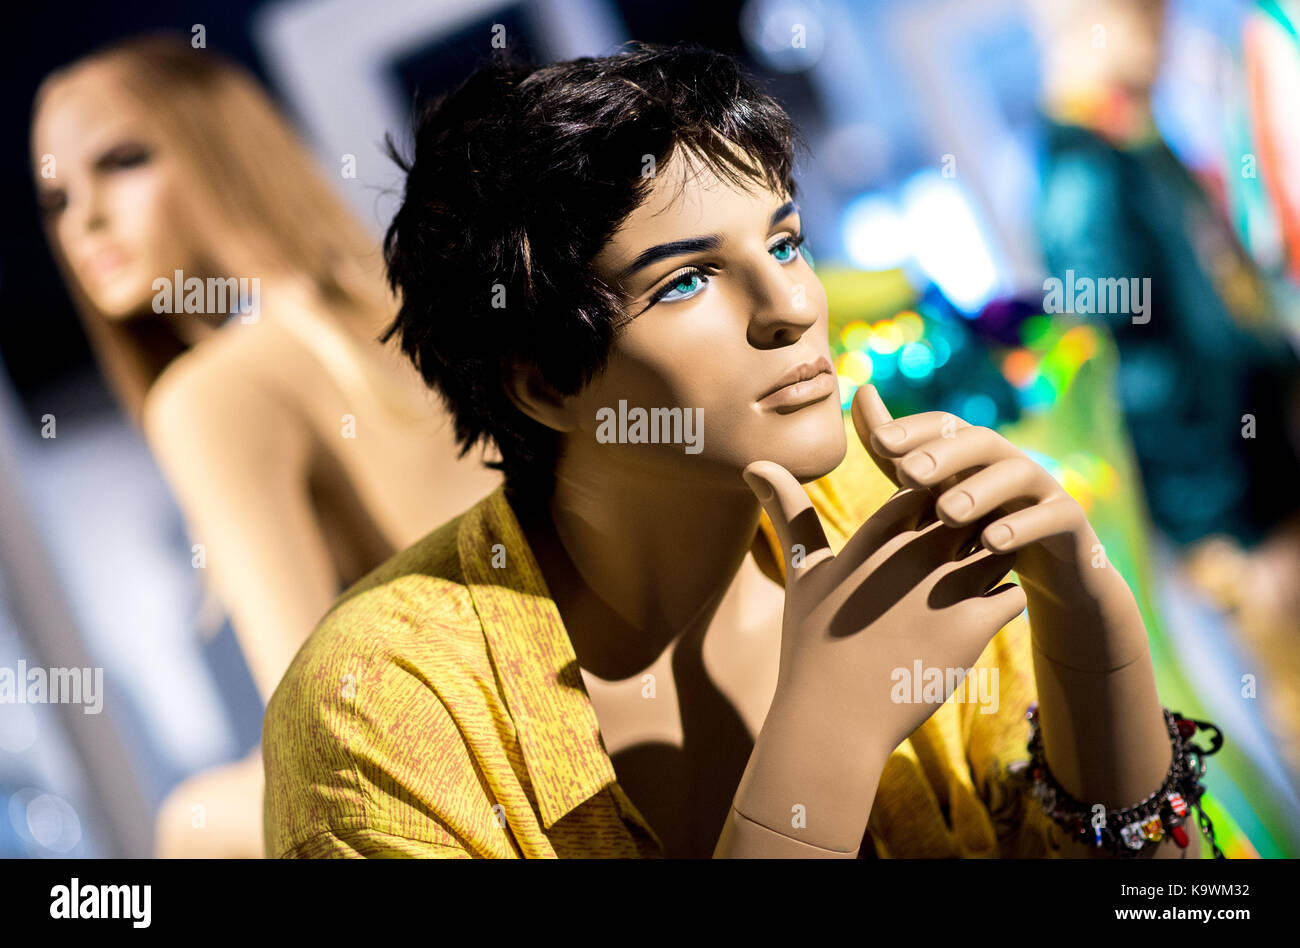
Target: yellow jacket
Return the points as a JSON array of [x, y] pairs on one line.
[[438, 711]]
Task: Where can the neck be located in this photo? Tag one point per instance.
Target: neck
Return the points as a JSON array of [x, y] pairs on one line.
[[274, 287], [196, 328], [1117, 114], [637, 561]]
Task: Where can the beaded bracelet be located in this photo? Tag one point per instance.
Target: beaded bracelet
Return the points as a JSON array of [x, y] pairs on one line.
[[1127, 832]]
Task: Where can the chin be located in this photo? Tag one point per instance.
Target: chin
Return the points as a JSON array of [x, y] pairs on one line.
[[120, 304], [813, 443]]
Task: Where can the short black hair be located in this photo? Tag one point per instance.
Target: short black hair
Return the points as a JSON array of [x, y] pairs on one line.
[[519, 177]]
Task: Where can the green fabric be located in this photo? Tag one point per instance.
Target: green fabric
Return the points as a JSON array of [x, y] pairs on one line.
[[1210, 353]]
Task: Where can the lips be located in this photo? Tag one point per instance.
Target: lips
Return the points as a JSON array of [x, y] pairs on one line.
[[102, 262], [803, 384], [800, 373]]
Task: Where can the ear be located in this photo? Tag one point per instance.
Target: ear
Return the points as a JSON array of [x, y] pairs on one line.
[[535, 397]]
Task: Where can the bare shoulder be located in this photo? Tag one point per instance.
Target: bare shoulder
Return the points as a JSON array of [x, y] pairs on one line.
[[226, 390]]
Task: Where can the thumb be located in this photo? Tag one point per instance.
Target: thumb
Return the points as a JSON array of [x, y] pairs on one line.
[[869, 413], [803, 541]]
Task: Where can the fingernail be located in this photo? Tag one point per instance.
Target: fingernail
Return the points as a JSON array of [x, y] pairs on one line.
[[999, 535], [876, 400], [759, 486], [957, 503], [918, 465], [891, 434]]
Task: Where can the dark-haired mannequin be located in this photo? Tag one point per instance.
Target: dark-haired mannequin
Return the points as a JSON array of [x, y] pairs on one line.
[[646, 551]]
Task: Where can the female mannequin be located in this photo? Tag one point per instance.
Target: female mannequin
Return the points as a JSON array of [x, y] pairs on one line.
[[647, 686], [302, 452], [1210, 386]]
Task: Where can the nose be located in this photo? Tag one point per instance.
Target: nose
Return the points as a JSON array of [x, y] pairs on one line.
[[783, 307], [91, 210]]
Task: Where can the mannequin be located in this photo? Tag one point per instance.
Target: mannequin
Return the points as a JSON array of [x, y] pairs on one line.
[[764, 698], [302, 453], [1210, 387]]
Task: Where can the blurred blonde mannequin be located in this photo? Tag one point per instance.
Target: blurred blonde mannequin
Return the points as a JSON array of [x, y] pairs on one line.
[[302, 453]]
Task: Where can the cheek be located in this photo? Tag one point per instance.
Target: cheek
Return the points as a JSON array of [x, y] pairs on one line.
[[700, 357], [65, 234], [145, 205], [690, 362], [683, 359]]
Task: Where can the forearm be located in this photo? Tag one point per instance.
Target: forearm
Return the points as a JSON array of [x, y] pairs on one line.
[[1105, 740], [802, 796], [1103, 728], [1081, 610], [275, 577], [1104, 735], [243, 488]]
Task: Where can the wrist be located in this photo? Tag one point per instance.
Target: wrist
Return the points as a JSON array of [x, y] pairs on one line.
[[1062, 568], [1087, 624], [809, 779], [743, 838]]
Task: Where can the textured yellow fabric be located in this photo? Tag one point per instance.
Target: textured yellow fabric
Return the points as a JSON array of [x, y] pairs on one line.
[[438, 711]]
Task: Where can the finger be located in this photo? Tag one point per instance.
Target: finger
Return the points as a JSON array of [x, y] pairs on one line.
[[982, 570], [869, 412], [969, 578], [871, 408], [803, 541], [938, 543], [938, 459], [1004, 603], [905, 434], [978, 619], [904, 511], [982, 493], [1025, 527]]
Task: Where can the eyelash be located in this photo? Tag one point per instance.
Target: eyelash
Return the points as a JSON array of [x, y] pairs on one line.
[[795, 242], [127, 155]]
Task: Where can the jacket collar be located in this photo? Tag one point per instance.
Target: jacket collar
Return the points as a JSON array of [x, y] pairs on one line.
[[553, 714], [532, 651]]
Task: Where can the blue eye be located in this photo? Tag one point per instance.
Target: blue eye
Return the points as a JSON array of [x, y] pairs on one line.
[[789, 249], [687, 284], [691, 282]]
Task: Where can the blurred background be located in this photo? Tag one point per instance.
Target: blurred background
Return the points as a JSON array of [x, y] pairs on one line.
[[963, 154]]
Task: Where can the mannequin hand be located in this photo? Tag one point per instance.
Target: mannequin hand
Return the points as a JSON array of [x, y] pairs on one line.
[[977, 476], [898, 591]]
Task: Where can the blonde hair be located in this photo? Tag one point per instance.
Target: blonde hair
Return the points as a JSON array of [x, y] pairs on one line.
[[262, 200]]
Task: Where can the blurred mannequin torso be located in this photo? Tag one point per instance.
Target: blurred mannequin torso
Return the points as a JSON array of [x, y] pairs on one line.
[[266, 451]]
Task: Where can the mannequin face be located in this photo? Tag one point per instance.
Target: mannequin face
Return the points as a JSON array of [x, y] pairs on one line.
[[116, 203], [1109, 43], [1131, 55], [716, 329]]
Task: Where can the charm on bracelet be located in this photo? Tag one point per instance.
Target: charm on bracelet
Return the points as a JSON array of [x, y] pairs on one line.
[[1127, 832]]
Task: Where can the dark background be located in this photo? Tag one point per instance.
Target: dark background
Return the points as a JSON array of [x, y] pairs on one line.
[[41, 341]]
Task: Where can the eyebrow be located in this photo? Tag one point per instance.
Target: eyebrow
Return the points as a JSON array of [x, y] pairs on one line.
[[677, 248]]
